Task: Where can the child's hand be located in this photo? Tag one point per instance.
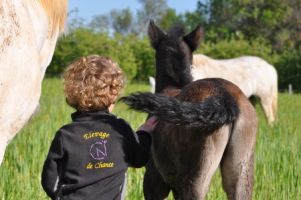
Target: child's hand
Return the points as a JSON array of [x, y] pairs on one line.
[[149, 125]]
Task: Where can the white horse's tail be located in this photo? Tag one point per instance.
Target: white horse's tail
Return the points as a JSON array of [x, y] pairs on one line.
[[274, 97], [270, 99]]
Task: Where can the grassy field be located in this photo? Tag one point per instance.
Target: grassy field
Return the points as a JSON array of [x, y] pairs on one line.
[[278, 151]]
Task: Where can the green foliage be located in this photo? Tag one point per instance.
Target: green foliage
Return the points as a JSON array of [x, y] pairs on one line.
[[238, 47], [169, 19], [137, 59], [100, 24], [289, 70], [80, 42], [192, 20], [121, 52], [277, 159], [145, 59], [122, 20], [268, 29], [277, 21], [83, 42]]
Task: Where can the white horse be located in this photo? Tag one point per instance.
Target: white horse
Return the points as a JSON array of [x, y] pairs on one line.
[[29, 30], [253, 75], [152, 83]]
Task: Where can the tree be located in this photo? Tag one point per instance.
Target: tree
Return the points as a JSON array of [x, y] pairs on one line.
[[255, 18], [293, 25], [119, 21], [100, 23], [75, 21], [169, 19], [122, 21], [83, 42], [289, 70], [192, 19], [268, 19], [151, 9]]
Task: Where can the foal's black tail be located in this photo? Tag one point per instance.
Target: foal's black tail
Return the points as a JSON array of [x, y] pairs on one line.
[[209, 114]]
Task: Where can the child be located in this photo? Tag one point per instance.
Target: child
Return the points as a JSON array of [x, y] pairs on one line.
[[89, 157]]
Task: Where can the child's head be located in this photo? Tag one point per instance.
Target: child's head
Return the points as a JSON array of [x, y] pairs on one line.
[[92, 83]]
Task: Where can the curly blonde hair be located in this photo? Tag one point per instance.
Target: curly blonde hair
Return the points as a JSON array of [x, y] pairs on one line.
[[92, 83]]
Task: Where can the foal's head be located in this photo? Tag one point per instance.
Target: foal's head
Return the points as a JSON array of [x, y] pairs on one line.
[[173, 55]]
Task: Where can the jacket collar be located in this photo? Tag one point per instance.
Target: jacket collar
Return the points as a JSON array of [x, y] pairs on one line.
[[84, 116]]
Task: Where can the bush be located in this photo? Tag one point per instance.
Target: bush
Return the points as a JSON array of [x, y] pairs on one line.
[[145, 59], [137, 59], [289, 70], [119, 49], [239, 47], [83, 42]]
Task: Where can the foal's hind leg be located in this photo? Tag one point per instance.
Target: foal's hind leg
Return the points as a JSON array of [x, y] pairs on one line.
[[238, 160], [194, 183], [154, 187]]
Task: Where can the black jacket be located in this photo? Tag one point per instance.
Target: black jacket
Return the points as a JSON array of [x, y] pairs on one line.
[[89, 157]]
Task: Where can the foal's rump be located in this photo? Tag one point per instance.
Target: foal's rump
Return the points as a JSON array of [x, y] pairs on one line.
[[253, 75], [206, 104]]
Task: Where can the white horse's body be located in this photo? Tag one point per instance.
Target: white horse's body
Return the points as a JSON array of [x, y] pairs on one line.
[[28, 33], [252, 75]]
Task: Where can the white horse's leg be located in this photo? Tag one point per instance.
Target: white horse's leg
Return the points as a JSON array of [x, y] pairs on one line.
[[275, 102], [267, 103], [152, 82], [268, 93], [3, 144]]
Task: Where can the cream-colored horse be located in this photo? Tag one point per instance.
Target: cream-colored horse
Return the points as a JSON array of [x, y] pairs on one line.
[[28, 33], [252, 75]]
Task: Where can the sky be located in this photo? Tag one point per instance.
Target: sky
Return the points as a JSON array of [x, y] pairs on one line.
[[89, 8]]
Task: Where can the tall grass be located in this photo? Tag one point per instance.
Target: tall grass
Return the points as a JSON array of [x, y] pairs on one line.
[[278, 150]]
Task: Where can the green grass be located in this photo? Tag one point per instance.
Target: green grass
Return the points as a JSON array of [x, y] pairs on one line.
[[278, 150]]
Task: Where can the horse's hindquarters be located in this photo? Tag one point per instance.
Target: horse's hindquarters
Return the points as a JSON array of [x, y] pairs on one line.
[[253, 75], [238, 160], [20, 76], [187, 159], [3, 144]]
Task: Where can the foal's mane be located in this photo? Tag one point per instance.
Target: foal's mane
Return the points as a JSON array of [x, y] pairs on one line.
[[176, 31], [56, 11]]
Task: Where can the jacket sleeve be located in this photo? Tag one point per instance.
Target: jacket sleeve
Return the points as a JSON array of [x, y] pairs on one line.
[[138, 146], [51, 168]]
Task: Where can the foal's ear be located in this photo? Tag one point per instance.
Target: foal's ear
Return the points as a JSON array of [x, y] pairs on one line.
[[194, 38], [155, 34]]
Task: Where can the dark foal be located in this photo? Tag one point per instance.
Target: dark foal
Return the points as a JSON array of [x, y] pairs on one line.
[[202, 125]]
